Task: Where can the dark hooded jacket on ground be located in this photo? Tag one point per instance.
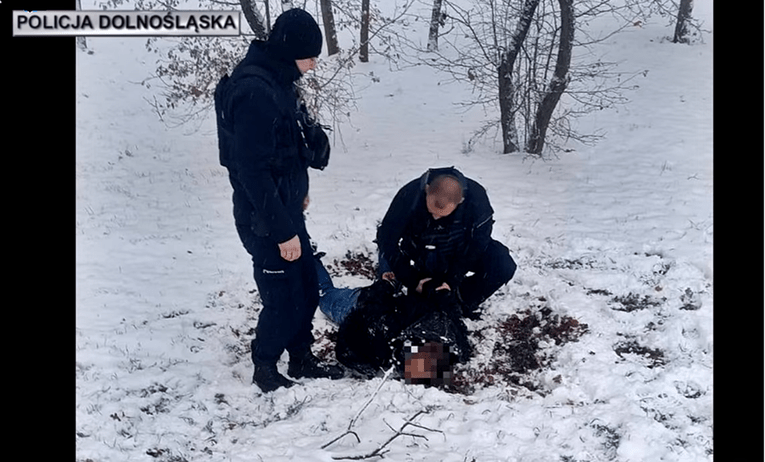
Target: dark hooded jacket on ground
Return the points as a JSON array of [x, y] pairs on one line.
[[374, 336]]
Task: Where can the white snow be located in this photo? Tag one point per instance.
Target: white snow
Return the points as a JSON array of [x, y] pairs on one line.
[[166, 303]]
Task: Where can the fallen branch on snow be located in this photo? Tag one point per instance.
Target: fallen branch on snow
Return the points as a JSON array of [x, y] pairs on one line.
[[358, 414], [379, 452]]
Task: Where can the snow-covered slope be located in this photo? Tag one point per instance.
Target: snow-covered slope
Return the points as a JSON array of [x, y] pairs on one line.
[[617, 236]]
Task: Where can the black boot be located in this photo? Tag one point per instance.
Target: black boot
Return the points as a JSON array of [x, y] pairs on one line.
[[268, 378], [306, 365]]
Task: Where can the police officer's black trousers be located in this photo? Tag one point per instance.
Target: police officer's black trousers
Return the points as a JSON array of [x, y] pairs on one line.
[[495, 268], [290, 294]]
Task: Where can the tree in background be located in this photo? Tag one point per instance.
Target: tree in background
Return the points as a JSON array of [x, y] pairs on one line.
[[330, 30], [364, 35], [505, 76], [81, 42], [517, 56], [259, 26], [684, 21], [525, 59], [679, 14], [436, 20], [188, 68], [534, 64], [558, 82]]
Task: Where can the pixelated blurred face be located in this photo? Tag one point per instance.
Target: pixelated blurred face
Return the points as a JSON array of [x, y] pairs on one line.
[[438, 207], [418, 367], [422, 362], [443, 196]]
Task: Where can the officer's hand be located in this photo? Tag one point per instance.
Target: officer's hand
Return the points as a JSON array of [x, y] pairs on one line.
[[389, 276], [422, 283], [290, 250]]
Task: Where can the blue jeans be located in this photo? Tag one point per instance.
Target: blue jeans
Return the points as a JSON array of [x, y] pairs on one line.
[[334, 302]]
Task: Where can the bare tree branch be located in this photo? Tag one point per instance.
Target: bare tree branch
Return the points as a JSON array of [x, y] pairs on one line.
[[363, 408], [400, 432]]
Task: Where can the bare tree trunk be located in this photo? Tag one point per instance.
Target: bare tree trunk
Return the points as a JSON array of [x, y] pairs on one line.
[[683, 19], [81, 43], [435, 21], [558, 82], [330, 32], [506, 110], [364, 46], [253, 17], [505, 76], [268, 17]]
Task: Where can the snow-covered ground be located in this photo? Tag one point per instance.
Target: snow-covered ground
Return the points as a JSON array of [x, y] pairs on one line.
[[166, 303]]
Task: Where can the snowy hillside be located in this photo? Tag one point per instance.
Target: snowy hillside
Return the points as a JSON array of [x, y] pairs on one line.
[[613, 244]]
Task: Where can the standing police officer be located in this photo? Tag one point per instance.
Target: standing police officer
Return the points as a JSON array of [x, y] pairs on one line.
[[267, 143]]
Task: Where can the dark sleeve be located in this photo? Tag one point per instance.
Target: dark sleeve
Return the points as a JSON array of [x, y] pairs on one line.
[[256, 119], [391, 230], [481, 217]]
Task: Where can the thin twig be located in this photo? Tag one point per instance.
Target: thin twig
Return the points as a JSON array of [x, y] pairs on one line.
[[348, 432], [358, 414], [371, 398], [400, 432]]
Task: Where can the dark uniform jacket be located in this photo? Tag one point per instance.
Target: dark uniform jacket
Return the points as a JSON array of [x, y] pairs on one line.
[[416, 246], [263, 143], [263, 148]]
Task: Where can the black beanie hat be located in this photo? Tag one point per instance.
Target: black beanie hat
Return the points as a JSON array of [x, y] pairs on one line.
[[295, 36]]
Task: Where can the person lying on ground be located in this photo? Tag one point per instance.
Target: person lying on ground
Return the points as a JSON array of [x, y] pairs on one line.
[[421, 334]]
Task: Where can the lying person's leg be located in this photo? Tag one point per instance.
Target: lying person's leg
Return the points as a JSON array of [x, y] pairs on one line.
[[334, 302]]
